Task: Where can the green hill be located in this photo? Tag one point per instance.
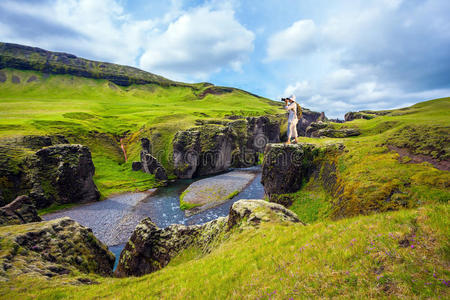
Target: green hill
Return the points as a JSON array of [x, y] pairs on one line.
[[400, 160], [98, 113]]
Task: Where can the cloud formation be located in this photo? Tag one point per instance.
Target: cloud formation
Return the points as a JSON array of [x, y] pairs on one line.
[[182, 44], [199, 43], [380, 55], [298, 39]]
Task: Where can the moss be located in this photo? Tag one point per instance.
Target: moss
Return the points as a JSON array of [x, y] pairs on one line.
[[232, 195], [185, 205]]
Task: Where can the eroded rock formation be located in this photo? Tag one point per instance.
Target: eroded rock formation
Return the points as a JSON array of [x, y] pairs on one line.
[[53, 248], [285, 167], [151, 248], [149, 164], [62, 174], [22, 210], [213, 148], [47, 169]]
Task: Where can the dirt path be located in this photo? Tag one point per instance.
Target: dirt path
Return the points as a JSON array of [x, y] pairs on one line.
[[419, 158]]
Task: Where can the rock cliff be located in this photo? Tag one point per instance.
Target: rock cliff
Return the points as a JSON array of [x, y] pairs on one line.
[[52, 248], [151, 248], [286, 167], [62, 174], [55, 173], [20, 211], [213, 148]]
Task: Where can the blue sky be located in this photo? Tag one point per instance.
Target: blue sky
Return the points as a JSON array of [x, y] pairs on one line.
[[336, 56]]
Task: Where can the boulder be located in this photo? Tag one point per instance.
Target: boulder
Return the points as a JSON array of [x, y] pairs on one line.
[[20, 211], [285, 167], [53, 248], [62, 174], [254, 212], [151, 248]]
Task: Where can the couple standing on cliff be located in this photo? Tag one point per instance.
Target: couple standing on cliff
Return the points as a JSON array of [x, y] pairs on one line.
[[295, 113]]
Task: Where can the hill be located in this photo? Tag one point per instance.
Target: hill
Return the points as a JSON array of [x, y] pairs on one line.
[[399, 160], [47, 93]]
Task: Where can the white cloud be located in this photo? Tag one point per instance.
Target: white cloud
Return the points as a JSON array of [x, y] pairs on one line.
[[181, 44], [199, 43], [298, 39], [376, 55]]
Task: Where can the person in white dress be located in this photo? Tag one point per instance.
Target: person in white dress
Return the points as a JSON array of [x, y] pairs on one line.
[[291, 107]]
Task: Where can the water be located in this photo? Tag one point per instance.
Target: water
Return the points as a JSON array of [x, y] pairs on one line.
[[163, 207]]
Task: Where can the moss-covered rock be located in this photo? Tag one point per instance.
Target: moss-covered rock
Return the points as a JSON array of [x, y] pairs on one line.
[[20, 211], [315, 126], [286, 167], [336, 133], [308, 117], [149, 164], [213, 148], [151, 248], [61, 174], [52, 248]]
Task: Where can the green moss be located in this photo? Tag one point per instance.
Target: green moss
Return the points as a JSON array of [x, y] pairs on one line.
[[232, 195]]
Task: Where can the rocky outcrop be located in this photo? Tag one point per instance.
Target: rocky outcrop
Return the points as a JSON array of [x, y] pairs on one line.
[[315, 126], [335, 133], [309, 117], [285, 167], [213, 148], [52, 248], [151, 248], [364, 114], [149, 164], [15, 171], [20, 211], [61, 174], [253, 212]]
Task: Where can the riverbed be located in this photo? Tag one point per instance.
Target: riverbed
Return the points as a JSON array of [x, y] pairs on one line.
[[113, 220]]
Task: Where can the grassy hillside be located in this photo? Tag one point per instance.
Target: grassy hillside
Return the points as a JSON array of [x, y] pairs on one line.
[[402, 254], [98, 113], [370, 177]]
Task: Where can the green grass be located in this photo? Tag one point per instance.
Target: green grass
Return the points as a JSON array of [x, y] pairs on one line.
[[232, 195], [54, 208], [98, 113], [371, 178], [401, 254]]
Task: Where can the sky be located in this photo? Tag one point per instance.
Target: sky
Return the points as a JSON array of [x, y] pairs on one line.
[[334, 55]]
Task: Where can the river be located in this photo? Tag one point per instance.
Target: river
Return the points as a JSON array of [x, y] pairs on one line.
[[113, 220]]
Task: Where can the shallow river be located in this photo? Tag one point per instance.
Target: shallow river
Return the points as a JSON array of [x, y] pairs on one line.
[[113, 220]]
